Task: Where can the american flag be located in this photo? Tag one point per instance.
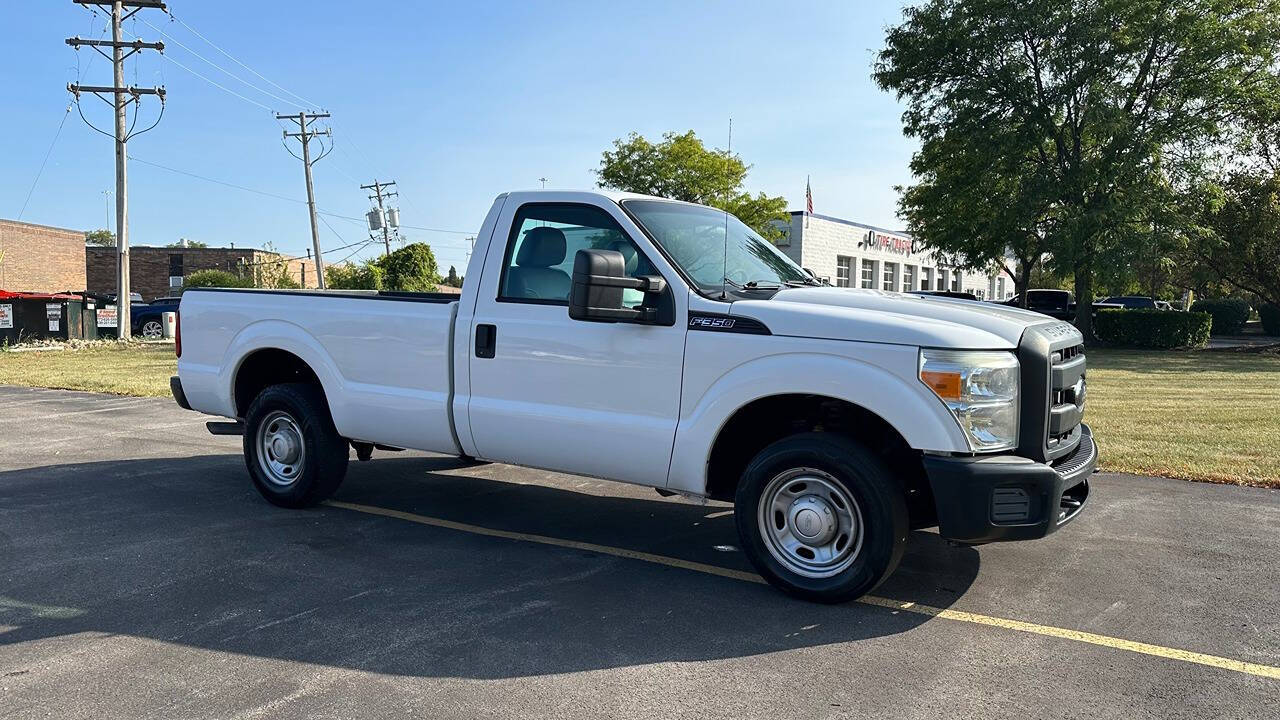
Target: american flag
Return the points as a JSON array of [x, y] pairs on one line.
[[808, 196]]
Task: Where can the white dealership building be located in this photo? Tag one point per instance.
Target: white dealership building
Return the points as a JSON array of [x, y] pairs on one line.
[[851, 254]]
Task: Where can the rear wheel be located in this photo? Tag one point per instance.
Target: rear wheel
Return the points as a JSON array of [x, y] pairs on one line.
[[152, 330], [291, 448], [821, 517]]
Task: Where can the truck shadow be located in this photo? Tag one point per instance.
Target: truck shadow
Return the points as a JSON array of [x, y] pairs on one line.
[[184, 551]]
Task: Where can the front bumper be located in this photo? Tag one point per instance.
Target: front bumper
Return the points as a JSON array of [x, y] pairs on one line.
[[1006, 497]]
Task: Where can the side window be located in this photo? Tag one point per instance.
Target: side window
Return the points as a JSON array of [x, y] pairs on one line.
[[545, 238]]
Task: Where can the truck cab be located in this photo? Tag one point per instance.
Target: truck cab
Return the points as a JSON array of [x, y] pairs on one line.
[[666, 344]]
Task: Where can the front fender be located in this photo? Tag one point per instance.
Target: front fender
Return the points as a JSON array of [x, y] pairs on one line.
[[905, 403]]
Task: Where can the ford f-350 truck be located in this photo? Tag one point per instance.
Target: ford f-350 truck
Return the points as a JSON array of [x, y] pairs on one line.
[[666, 344]]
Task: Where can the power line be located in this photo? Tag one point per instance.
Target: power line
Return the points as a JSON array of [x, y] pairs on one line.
[[225, 71], [276, 196], [218, 85], [216, 182], [45, 162], [306, 103]]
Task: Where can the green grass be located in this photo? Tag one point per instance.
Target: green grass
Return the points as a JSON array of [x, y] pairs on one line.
[[1212, 416], [136, 369]]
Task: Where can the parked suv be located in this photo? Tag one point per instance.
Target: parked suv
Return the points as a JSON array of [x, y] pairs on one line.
[[1054, 303], [147, 320]]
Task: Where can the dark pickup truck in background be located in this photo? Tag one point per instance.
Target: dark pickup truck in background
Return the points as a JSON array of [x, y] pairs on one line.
[[1054, 303]]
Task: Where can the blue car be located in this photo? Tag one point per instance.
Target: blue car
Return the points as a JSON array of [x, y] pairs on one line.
[[147, 321]]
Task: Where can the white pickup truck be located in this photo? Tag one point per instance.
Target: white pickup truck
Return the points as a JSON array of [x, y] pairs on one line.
[[666, 344]]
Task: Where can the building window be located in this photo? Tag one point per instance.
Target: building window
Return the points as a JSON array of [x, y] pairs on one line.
[[868, 273], [942, 279], [956, 277], [1000, 288], [908, 278], [890, 276], [175, 264], [843, 263], [926, 278]]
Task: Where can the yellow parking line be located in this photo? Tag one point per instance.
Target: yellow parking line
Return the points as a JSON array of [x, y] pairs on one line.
[[1115, 643]]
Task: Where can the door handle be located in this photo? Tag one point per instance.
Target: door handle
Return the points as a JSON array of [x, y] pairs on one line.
[[486, 340]]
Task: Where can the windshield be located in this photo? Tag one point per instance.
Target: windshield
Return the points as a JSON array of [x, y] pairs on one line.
[[693, 237]]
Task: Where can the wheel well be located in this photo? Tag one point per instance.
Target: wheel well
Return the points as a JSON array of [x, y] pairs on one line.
[[264, 368], [764, 421]]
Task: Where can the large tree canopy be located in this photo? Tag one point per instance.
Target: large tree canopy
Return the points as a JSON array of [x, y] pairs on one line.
[[1076, 123], [682, 168]]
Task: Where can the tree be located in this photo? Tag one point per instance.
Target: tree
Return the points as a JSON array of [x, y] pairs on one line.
[[349, 276], [1096, 114], [411, 268], [1243, 247], [453, 279], [215, 278], [976, 214], [682, 168], [273, 270], [101, 238]]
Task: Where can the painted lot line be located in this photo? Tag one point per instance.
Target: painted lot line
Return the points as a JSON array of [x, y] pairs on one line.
[[1107, 641]]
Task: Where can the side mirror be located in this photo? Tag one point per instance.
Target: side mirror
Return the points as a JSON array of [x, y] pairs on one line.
[[599, 277]]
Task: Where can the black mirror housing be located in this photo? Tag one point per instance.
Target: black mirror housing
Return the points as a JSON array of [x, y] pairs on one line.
[[599, 277]]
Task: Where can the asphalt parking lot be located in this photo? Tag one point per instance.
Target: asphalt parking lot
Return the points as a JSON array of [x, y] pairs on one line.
[[142, 576]]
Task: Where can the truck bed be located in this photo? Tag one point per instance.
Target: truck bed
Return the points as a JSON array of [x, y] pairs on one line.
[[383, 358]]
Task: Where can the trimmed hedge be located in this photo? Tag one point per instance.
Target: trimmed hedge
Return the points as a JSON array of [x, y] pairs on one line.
[[1270, 315], [1229, 314], [1162, 329]]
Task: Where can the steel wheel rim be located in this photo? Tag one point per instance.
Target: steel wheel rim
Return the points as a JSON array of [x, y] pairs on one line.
[[152, 330], [810, 522], [281, 449]]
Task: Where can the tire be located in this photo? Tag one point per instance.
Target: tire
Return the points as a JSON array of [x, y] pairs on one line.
[[152, 330], [291, 448], [836, 501]]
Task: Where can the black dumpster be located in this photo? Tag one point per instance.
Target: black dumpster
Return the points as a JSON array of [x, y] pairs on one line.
[[35, 316]]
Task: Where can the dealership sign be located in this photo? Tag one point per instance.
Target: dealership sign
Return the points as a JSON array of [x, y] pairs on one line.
[[6, 316], [888, 243]]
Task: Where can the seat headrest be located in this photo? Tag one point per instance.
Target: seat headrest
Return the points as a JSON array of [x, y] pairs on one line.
[[629, 254], [542, 247]]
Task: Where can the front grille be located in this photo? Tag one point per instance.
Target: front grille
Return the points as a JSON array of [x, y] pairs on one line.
[[1053, 391], [1066, 396]]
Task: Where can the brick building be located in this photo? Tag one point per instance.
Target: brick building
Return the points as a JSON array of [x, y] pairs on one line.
[[159, 271], [850, 254], [40, 258]]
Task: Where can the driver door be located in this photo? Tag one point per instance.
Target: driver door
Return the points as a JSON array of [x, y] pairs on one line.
[[593, 398]]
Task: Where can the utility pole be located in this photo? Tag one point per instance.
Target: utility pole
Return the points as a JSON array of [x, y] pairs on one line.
[[379, 192], [122, 96], [305, 136]]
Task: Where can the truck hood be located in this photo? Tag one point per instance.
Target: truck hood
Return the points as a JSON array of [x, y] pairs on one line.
[[889, 317]]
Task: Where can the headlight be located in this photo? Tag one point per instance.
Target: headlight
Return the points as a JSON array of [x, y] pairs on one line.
[[980, 387]]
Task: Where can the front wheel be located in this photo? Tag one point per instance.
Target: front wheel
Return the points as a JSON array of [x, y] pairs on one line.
[[821, 517], [291, 448], [152, 330]]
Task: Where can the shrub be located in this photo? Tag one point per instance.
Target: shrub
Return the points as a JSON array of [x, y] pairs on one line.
[[215, 278], [1270, 315], [347, 276], [1229, 314], [1162, 329]]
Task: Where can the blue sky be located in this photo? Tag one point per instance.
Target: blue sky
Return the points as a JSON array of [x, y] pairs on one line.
[[457, 102]]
